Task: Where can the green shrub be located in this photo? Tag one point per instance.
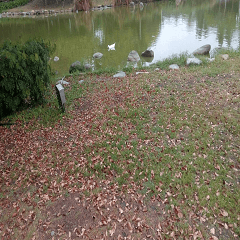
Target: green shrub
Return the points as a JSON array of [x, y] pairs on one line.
[[24, 74], [12, 4]]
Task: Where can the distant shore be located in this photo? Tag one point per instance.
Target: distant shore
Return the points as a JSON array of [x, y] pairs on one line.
[[36, 7]]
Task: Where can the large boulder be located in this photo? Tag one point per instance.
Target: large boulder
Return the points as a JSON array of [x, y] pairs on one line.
[[148, 53], [97, 55], [133, 56], [204, 50]]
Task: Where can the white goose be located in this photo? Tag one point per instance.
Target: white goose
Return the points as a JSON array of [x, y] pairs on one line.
[[111, 47]]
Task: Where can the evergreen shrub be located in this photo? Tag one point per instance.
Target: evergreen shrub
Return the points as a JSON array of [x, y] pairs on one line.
[[24, 74]]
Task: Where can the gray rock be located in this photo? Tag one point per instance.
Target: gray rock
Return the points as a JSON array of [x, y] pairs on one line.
[[52, 233], [88, 66], [97, 55], [225, 56], [120, 75], [174, 66], [81, 81], [193, 61], [133, 56], [204, 50], [148, 53], [56, 59], [76, 66]]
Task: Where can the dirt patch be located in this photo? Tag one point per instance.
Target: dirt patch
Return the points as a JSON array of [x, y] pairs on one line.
[[101, 215]]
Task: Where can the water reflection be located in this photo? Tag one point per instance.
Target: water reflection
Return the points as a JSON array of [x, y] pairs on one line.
[[165, 27], [99, 34], [185, 28]]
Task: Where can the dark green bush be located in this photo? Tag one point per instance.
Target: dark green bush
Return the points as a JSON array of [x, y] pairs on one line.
[[24, 74]]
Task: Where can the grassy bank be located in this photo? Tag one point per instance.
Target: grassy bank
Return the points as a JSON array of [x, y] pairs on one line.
[[150, 155], [12, 4]]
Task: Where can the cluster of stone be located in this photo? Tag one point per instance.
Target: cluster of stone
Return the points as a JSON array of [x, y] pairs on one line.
[[35, 13]]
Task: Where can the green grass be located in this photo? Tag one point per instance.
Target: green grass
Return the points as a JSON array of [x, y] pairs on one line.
[[172, 135], [180, 60]]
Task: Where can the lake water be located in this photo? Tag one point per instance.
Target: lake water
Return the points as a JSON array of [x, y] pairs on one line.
[[165, 28]]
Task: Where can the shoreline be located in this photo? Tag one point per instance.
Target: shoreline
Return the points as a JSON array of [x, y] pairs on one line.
[[16, 12]]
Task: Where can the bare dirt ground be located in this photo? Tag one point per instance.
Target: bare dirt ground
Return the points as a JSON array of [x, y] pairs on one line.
[[104, 215], [54, 5]]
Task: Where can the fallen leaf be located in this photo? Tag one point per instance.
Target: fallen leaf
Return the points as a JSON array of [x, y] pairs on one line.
[[178, 175], [83, 231], [129, 227], [212, 231], [180, 215], [217, 167], [224, 213], [213, 238], [112, 231]]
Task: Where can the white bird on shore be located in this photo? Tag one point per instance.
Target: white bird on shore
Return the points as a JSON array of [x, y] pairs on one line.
[[111, 47]]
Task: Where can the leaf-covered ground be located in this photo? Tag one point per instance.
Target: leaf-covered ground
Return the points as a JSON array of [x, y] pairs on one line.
[[150, 156]]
